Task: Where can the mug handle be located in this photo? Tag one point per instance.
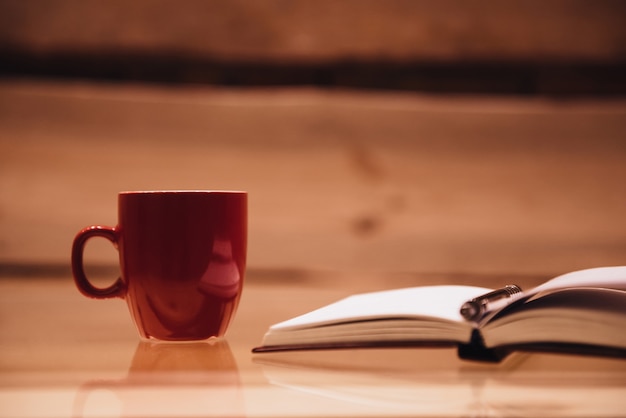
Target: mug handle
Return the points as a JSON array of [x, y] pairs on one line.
[[117, 289]]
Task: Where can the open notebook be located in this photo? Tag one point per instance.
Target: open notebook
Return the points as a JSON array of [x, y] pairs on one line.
[[581, 312]]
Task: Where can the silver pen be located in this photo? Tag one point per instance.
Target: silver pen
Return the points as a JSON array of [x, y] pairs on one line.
[[475, 309]]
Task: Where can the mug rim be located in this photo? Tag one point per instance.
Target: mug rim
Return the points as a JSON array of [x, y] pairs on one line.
[[191, 191]]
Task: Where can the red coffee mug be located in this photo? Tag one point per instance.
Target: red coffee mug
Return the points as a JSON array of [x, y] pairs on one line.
[[183, 259]]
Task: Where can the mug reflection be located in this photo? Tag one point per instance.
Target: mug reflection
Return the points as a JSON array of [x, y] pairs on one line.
[[165, 379]]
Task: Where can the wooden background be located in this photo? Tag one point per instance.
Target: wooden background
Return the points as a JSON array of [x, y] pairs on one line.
[[337, 180], [560, 47], [321, 30], [340, 178]]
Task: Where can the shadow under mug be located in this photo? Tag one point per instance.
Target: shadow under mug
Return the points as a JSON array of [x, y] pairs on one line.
[[182, 257]]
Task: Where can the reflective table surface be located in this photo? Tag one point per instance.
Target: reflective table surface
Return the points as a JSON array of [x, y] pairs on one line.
[[63, 355]]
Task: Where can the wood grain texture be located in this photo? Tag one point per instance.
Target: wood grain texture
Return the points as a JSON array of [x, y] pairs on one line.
[[62, 354], [326, 30], [338, 180]]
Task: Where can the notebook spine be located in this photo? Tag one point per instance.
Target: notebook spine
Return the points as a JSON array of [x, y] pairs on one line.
[[475, 350]]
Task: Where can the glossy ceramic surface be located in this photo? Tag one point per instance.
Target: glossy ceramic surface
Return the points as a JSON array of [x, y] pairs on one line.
[[183, 257]]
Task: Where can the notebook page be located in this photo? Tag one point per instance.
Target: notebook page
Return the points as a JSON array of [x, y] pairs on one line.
[[601, 277], [442, 302]]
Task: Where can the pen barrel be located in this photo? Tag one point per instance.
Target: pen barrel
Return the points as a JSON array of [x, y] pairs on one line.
[[477, 308]]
